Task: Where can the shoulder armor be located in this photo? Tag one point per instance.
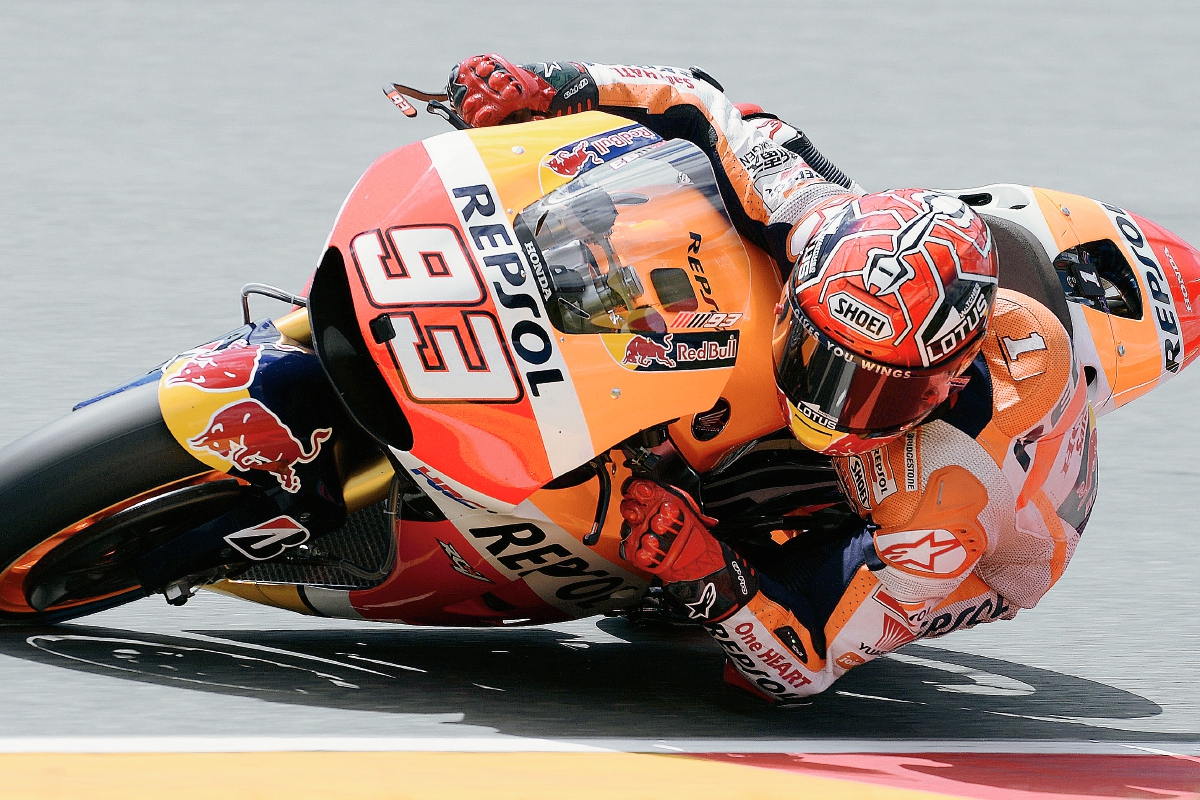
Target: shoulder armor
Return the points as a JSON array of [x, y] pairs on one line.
[[1031, 361]]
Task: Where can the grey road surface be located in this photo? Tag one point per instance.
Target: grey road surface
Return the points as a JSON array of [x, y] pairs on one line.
[[154, 157]]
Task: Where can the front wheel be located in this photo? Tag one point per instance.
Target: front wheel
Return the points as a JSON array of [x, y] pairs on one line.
[[82, 499]]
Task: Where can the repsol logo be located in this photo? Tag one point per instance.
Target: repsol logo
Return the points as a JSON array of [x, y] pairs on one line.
[[860, 317], [531, 339], [1161, 301], [706, 292], [521, 549], [969, 617], [782, 681]]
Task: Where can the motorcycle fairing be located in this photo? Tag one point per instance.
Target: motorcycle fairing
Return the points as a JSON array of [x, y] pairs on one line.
[[1127, 356], [534, 570], [527, 567], [1167, 338], [1150, 349], [478, 568], [244, 405], [575, 158], [499, 401]]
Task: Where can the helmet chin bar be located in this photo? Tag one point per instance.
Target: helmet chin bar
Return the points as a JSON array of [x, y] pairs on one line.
[[820, 439], [813, 436]]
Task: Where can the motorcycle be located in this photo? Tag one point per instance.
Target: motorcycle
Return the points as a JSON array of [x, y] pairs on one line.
[[506, 325]]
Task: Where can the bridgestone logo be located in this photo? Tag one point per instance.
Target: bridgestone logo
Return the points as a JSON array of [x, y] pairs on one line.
[[910, 462], [860, 317]]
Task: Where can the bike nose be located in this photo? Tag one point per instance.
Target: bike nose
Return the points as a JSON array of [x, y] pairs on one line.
[[1180, 264]]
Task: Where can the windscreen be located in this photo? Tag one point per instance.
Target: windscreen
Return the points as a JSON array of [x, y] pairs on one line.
[[611, 248]]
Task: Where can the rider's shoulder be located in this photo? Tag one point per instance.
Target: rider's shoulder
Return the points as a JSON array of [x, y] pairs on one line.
[[1030, 359], [1018, 317]]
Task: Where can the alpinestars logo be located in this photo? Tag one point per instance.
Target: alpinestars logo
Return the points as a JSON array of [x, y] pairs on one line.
[[702, 607], [889, 269], [886, 271], [933, 552]]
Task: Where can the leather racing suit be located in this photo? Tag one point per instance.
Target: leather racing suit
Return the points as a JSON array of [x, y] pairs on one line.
[[969, 517]]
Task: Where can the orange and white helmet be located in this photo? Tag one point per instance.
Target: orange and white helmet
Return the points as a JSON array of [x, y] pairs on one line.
[[887, 305]]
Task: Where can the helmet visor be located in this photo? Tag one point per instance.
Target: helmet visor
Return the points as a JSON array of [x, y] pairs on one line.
[[842, 391]]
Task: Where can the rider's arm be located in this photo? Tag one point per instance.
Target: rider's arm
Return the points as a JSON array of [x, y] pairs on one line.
[[767, 187]]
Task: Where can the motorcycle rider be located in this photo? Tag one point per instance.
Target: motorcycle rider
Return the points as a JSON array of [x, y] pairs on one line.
[[955, 414]]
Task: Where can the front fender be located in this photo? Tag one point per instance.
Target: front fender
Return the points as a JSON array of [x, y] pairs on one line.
[[257, 406]]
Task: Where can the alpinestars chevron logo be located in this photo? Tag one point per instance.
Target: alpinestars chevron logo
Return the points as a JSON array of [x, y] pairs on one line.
[[702, 607], [936, 552]]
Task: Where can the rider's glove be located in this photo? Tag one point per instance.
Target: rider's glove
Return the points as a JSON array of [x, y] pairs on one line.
[[490, 90], [668, 535]]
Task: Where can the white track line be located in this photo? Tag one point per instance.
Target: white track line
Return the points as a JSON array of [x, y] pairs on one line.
[[515, 744], [277, 744]]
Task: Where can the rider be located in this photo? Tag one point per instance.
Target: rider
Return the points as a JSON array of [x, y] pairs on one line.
[[955, 414]]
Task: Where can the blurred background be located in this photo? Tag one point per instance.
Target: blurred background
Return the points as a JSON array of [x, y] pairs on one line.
[[155, 157]]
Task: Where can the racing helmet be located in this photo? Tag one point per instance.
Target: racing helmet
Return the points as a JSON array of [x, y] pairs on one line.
[[886, 307]]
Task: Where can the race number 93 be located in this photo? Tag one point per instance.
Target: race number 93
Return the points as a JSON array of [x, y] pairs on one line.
[[445, 351]]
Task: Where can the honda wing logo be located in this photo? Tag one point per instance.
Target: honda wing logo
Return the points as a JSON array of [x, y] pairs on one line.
[[269, 539]]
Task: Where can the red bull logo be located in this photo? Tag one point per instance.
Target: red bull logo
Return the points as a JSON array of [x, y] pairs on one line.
[[220, 370], [643, 351], [569, 163], [248, 435]]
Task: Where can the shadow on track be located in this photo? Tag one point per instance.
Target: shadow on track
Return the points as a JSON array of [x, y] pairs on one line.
[[612, 681]]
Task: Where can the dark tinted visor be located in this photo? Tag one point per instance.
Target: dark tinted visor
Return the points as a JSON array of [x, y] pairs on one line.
[[840, 390]]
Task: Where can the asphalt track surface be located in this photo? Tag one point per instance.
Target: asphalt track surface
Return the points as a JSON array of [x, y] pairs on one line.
[[153, 158]]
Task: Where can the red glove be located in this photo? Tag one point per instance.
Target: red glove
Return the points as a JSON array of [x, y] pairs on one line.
[[668, 534], [487, 90]]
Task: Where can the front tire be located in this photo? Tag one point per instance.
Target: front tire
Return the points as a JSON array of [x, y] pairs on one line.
[[84, 497]]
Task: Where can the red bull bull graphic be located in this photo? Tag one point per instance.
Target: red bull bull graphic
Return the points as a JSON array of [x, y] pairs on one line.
[[676, 351], [569, 163], [643, 351], [248, 435], [220, 370], [578, 157]]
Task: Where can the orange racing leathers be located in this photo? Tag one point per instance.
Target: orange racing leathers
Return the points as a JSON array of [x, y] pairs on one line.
[[970, 516], [975, 514]]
